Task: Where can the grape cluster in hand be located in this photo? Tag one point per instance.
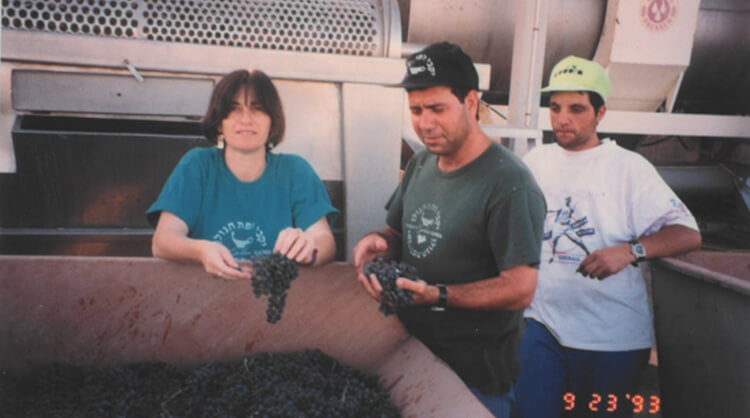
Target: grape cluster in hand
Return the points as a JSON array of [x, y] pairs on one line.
[[272, 278], [392, 296]]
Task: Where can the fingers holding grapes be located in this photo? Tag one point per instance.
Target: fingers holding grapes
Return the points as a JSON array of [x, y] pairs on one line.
[[296, 245]]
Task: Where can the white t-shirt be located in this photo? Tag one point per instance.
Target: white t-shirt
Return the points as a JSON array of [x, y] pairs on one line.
[[597, 198]]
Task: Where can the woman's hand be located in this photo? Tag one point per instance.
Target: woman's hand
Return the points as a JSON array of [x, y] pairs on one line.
[[297, 245], [171, 242], [218, 262]]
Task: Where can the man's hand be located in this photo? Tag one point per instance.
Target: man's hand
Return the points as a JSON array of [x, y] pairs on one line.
[[383, 244], [605, 262], [370, 247], [423, 293], [371, 284], [367, 249]]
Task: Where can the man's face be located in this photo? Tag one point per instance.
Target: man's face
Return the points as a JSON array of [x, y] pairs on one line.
[[440, 120], [573, 120]]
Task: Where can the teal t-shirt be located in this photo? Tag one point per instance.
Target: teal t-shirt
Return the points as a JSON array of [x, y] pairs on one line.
[[246, 217], [464, 226]]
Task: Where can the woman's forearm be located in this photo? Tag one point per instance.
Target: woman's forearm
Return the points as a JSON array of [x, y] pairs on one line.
[[176, 247], [324, 241]]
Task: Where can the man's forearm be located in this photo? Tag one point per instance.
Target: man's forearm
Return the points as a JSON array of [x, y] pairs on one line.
[[670, 241], [513, 289]]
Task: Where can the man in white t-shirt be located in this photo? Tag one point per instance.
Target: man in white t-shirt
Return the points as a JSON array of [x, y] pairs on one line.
[[589, 328]]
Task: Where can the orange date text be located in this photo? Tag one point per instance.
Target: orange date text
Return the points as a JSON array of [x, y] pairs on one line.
[[651, 404]]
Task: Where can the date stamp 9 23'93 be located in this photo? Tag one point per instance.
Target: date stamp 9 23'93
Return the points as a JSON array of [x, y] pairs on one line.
[[610, 402]]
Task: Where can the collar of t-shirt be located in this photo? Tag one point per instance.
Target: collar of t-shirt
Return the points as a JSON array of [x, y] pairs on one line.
[[604, 146]]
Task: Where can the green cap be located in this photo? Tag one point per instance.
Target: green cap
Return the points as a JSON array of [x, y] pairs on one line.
[[578, 74]]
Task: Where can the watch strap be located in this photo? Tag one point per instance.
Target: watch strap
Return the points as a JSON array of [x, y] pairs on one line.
[[442, 301]]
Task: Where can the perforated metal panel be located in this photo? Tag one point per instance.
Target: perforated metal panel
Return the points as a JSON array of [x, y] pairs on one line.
[[352, 27]]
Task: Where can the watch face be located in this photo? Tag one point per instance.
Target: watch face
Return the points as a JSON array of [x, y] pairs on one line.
[[638, 251]]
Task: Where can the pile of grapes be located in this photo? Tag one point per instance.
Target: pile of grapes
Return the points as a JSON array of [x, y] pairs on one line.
[[272, 278], [302, 384], [392, 296]]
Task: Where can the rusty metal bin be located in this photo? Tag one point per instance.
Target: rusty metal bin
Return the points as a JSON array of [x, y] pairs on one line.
[[702, 322], [99, 310]]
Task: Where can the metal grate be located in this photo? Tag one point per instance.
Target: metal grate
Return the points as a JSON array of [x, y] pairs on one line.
[[352, 27]]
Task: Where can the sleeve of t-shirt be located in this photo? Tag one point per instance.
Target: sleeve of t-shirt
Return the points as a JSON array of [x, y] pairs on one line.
[[532, 157], [537, 162], [654, 204], [395, 204], [183, 192], [310, 200], [395, 208], [515, 228]]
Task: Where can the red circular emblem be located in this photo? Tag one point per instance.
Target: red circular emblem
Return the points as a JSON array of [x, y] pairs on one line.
[[658, 15]]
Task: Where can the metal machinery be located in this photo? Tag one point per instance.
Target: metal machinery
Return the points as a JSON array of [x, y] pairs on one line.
[[100, 98], [680, 81]]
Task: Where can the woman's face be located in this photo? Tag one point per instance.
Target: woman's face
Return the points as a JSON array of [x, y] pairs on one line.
[[246, 126]]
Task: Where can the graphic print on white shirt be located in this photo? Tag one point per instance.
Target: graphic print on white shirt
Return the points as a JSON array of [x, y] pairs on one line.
[[621, 196], [677, 212], [423, 230], [564, 232], [243, 239]]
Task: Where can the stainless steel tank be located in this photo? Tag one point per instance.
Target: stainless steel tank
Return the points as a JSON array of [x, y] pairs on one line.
[[717, 80], [701, 316]]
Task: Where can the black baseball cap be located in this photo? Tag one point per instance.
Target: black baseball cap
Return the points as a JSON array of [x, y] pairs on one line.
[[440, 64]]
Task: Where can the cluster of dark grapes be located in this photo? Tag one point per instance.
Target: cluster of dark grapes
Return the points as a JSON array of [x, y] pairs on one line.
[[392, 296], [308, 383], [272, 278]]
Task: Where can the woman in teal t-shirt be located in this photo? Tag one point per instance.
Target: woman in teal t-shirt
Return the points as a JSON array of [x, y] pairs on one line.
[[239, 200]]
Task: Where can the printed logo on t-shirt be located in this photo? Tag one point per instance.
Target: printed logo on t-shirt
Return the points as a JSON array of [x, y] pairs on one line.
[[564, 231], [243, 239], [423, 230]]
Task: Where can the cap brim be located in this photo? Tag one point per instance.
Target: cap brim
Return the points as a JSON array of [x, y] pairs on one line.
[[565, 87], [417, 84], [420, 84], [570, 87]]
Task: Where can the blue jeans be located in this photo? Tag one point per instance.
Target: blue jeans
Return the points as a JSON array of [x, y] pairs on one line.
[[582, 383], [499, 405]]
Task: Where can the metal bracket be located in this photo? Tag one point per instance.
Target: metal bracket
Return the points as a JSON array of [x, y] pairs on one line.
[[133, 70]]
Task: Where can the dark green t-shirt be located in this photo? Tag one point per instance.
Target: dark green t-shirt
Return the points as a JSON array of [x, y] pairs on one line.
[[464, 226]]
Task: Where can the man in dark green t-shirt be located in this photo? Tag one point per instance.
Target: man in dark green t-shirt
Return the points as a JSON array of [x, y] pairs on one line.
[[468, 214]]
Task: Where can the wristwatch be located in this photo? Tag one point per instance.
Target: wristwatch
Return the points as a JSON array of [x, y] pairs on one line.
[[442, 301], [638, 251]]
